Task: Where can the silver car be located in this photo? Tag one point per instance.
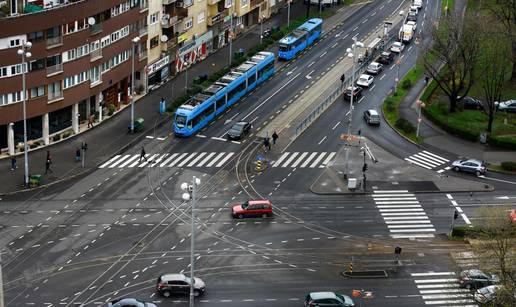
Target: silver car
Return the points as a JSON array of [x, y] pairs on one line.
[[470, 166], [130, 302]]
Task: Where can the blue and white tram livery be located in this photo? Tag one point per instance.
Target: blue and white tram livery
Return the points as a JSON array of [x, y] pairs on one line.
[[203, 107], [300, 38]]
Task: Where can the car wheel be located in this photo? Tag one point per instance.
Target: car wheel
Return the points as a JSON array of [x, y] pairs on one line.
[[196, 293], [478, 173], [456, 168], [264, 215], [166, 293], [240, 216]]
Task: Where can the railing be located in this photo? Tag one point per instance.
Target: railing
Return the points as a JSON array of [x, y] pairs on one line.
[[172, 43], [167, 2], [184, 3], [96, 28], [142, 55], [95, 55], [143, 31], [170, 22], [58, 68], [55, 95], [144, 6], [54, 41]]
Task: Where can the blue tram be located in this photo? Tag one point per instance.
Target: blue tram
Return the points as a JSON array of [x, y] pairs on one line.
[[300, 38], [203, 107]]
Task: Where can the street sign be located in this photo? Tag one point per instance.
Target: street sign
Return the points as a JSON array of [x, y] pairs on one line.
[[259, 157]]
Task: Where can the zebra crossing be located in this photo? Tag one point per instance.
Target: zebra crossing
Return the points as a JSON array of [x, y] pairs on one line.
[[304, 159], [428, 160], [442, 288], [195, 159], [404, 216]]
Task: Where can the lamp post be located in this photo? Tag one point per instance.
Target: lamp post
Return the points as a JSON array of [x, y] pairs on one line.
[[135, 42], [190, 194], [261, 29], [420, 105], [288, 13], [397, 79], [231, 33], [351, 53], [24, 52]]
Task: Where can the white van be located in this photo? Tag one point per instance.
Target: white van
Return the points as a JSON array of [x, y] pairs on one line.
[[418, 3]]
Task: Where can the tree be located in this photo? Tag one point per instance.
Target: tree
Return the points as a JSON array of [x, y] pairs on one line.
[[493, 64], [505, 11], [451, 55], [308, 4]]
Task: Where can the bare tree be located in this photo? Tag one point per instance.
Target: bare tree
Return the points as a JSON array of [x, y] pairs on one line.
[[505, 11], [451, 55]]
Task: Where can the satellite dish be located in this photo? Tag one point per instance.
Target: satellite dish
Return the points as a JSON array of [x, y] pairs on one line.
[[164, 38], [91, 21]]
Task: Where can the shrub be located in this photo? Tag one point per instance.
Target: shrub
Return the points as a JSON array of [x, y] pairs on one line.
[[111, 109], [406, 84], [509, 166], [459, 231], [405, 126], [502, 142]]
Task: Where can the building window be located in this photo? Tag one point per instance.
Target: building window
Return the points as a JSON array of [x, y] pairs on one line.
[[53, 60], [53, 32], [243, 3], [154, 42], [37, 91], [37, 65], [188, 23], [154, 18], [14, 42], [200, 17], [229, 3], [95, 74], [188, 2], [35, 36]]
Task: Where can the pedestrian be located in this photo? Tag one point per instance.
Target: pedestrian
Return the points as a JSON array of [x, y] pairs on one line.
[[47, 166], [142, 155], [78, 155], [14, 164], [427, 79], [90, 121], [274, 138], [267, 144], [48, 156]]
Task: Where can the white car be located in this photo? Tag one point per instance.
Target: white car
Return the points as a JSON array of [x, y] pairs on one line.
[[374, 68], [414, 9], [397, 47], [486, 294], [413, 24], [365, 80]]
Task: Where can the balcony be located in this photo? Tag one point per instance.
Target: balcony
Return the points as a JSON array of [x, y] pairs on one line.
[[144, 6], [167, 2], [95, 55], [95, 29], [52, 96], [54, 70], [217, 18], [142, 55], [143, 31], [172, 42], [184, 3], [169, 22], [255, 3], [213, 2], [54, 42]]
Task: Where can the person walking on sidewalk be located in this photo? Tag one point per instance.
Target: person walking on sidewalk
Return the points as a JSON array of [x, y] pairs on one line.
[[14, 163], [90, 121], [49, 158], [78, 155], [142, 155], [274, 138], [266, 144], [47, 166]]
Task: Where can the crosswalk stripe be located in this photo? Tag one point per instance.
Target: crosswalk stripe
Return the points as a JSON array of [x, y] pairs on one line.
[[202, 154], [388, 222], [303, 155], [229, 155], [412, 236], [136, 162], [401, 210], [398, 206], [429, 157], [129, 161], [393, 195], [188, 158], [412, 230], [319, 158], [455, 285], [278, 162], [292, 157], [308, 159], [119, 161], [206, 159], [150, 160], [448, 302], [168, 160], [435, 280], [220, 155], [397, 202], [395, 198], [328, 159], [109, 161], [432, 274], [158, 160], [458, 290], [405, 217], [408, 226], [390, 191], [417, 163], [423, 160], [436, 156], [403, 214], [181, 156], [445, 296]]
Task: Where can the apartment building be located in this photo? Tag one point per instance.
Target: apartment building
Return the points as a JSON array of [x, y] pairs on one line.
[[80, 64]]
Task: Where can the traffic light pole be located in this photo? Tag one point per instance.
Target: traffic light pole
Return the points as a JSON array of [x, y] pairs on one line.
[[454, 217]]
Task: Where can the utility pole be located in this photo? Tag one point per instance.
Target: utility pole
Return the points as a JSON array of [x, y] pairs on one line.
[[135, 42], [1, 283], [24, 52]]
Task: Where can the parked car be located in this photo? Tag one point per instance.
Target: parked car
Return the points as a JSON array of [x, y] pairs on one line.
[[507, 106], [512, 216], [470, 166], [476, 279], [130, 302], [323, 299], [372, 117], [365, 80], [471, 103], [397, 47], [414, 8], [357, 93], [412, 16], [413, 24], [252, 208], [374, 68], [486, 294], [170, 284], [239, 130], [386, 58]]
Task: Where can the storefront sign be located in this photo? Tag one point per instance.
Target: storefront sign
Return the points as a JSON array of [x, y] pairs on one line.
[[182, 38], [158, 65]]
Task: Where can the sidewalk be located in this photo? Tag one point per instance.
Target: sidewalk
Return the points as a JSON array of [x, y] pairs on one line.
[[111, 136]]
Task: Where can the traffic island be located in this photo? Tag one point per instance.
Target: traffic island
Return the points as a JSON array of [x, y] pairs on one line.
[[366, 274]]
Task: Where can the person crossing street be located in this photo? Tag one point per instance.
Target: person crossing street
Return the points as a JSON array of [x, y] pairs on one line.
[[274, 138], [143, 155]]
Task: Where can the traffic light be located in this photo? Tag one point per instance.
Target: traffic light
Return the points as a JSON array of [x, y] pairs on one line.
[[455, 215], [364, 167]]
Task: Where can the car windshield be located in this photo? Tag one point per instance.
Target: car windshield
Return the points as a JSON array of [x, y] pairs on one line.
[[340, 297], [245, 205], [188, 279], [485, 290], [237, 127], [283, 47], [180, 121]]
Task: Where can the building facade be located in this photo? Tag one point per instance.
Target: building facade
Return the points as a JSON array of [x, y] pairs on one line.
[[80, 64]]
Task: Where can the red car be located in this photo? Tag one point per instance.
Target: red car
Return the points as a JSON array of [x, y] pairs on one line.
[[252, 208], [512, 216]]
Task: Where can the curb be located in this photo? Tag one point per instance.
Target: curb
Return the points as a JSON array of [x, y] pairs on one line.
[[397, 131]]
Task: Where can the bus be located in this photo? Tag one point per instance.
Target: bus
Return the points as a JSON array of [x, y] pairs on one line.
[[300, 38], [203, 107]]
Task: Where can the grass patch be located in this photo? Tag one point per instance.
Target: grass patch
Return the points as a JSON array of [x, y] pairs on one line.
[[392, 102], [450, 3]]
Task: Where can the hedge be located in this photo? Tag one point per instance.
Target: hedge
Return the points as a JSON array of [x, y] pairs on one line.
[[502, 142], [509, 166]]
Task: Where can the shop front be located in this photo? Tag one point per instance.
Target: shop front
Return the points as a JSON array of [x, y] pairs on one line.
[[158, 71], [194, 51]]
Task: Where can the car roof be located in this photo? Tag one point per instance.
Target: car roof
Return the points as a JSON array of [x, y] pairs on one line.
[[262, 201], [372, 112], [322, 295], [411, 22], [474, 272], [173, 277], [365, 76], [375, 63], [473, 160]]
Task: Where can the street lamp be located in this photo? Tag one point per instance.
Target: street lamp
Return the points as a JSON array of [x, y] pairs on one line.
[[189, 194], [420, 105], [397, 79], [351, 53], [136, 40], [288, 13], [25, 54], [261, 29], [230, 36]]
